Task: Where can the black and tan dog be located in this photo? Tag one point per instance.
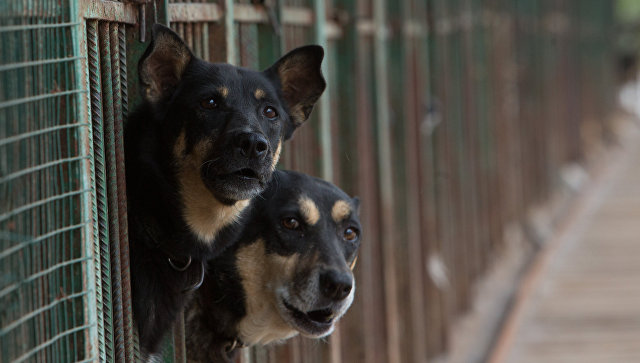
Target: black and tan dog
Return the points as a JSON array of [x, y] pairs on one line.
[[205, 141], [289, 273]]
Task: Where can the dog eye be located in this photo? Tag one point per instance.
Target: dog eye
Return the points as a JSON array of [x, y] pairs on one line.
[[270, 112], [350, 234], [209, 103], [291, 223]]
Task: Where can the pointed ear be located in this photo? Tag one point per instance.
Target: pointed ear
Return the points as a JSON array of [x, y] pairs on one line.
[[163, 64], [356, 204], [300, 78]]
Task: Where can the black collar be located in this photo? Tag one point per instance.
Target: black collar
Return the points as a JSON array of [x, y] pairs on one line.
[[174, 262]]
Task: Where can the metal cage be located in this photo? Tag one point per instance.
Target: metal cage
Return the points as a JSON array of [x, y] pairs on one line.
[[449, 118]]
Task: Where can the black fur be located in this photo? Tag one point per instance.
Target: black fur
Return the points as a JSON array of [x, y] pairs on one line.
[[200, 124], [214, 315]]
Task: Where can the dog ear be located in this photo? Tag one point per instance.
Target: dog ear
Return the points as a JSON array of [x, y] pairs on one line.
[[356, 205], [163, 64], [300, 78]]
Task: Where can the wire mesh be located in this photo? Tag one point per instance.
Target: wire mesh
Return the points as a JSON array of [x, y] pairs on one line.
[[42, 221]]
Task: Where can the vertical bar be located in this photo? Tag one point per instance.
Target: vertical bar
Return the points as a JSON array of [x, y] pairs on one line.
[[230, 32], [384, 175], [92, 284], [119, 80], [324, 105], [114, 228], [180, 349], [101, 223]]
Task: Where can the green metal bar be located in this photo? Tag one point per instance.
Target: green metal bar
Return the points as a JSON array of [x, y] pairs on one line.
[[27, 135], [101, 222], [26, 171], [26, 207], [16, 28], [13, 66], [7, 328], [119, 80], [13, 287], [108, 113], [50, 342], [9, 251], [230, 32], [385, 168], [324, 106], [24, 100]]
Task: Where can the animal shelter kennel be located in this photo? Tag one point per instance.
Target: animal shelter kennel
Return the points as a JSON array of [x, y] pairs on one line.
[[450, 119]]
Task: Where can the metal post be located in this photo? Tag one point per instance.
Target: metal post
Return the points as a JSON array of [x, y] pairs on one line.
[[324, 106], [385, 179], [229, 28]]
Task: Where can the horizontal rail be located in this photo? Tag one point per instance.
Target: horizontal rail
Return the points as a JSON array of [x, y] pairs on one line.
[[247, 13], [26, 135], [13, 287], [18, 247], [194, 12], [22, 172], [12, 66], [40, 347], [29, 206], [20, 101], [17, 28], [110, 11], [14, 324]]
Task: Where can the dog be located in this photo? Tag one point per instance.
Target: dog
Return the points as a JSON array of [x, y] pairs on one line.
[[290, 271], [204, 141]]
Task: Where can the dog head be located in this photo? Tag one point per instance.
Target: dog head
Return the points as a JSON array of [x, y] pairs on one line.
[[289, 273], [297, 273], [222, 126]]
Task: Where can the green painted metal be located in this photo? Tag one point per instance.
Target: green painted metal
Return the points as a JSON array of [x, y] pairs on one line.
[[43, 190], [101, 234], [326, 147]]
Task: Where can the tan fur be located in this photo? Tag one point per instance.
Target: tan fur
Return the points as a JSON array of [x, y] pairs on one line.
[[259, 94], [261, 274], [276, 156], [340, 210], [309, 210], [353, 264], [204, 214], [224, 91]]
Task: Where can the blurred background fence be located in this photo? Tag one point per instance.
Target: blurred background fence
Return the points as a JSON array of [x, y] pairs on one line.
[[450, 119]]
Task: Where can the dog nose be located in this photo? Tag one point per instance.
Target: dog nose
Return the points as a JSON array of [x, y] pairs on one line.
[[252, 145], [335, 285]]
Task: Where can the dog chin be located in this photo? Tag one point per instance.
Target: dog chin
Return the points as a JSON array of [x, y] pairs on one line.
[[312, 324], [231, 188]]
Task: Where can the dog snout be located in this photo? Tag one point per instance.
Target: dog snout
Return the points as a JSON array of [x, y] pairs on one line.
[[252, 145], [335, 285]]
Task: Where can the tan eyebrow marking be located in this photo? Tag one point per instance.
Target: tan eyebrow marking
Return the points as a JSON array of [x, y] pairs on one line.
[[340, 210], [259, 93], [309, 210], [224, 91]]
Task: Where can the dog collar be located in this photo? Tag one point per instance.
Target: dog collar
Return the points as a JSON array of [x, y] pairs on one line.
[[174, 262], [195, 286], [235, 344]]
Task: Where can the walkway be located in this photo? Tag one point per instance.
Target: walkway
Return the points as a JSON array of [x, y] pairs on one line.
[[581, 303]]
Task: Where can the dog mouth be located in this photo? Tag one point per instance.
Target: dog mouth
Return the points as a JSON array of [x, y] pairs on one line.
[[239, 184], [316, 323], [247, 174]]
